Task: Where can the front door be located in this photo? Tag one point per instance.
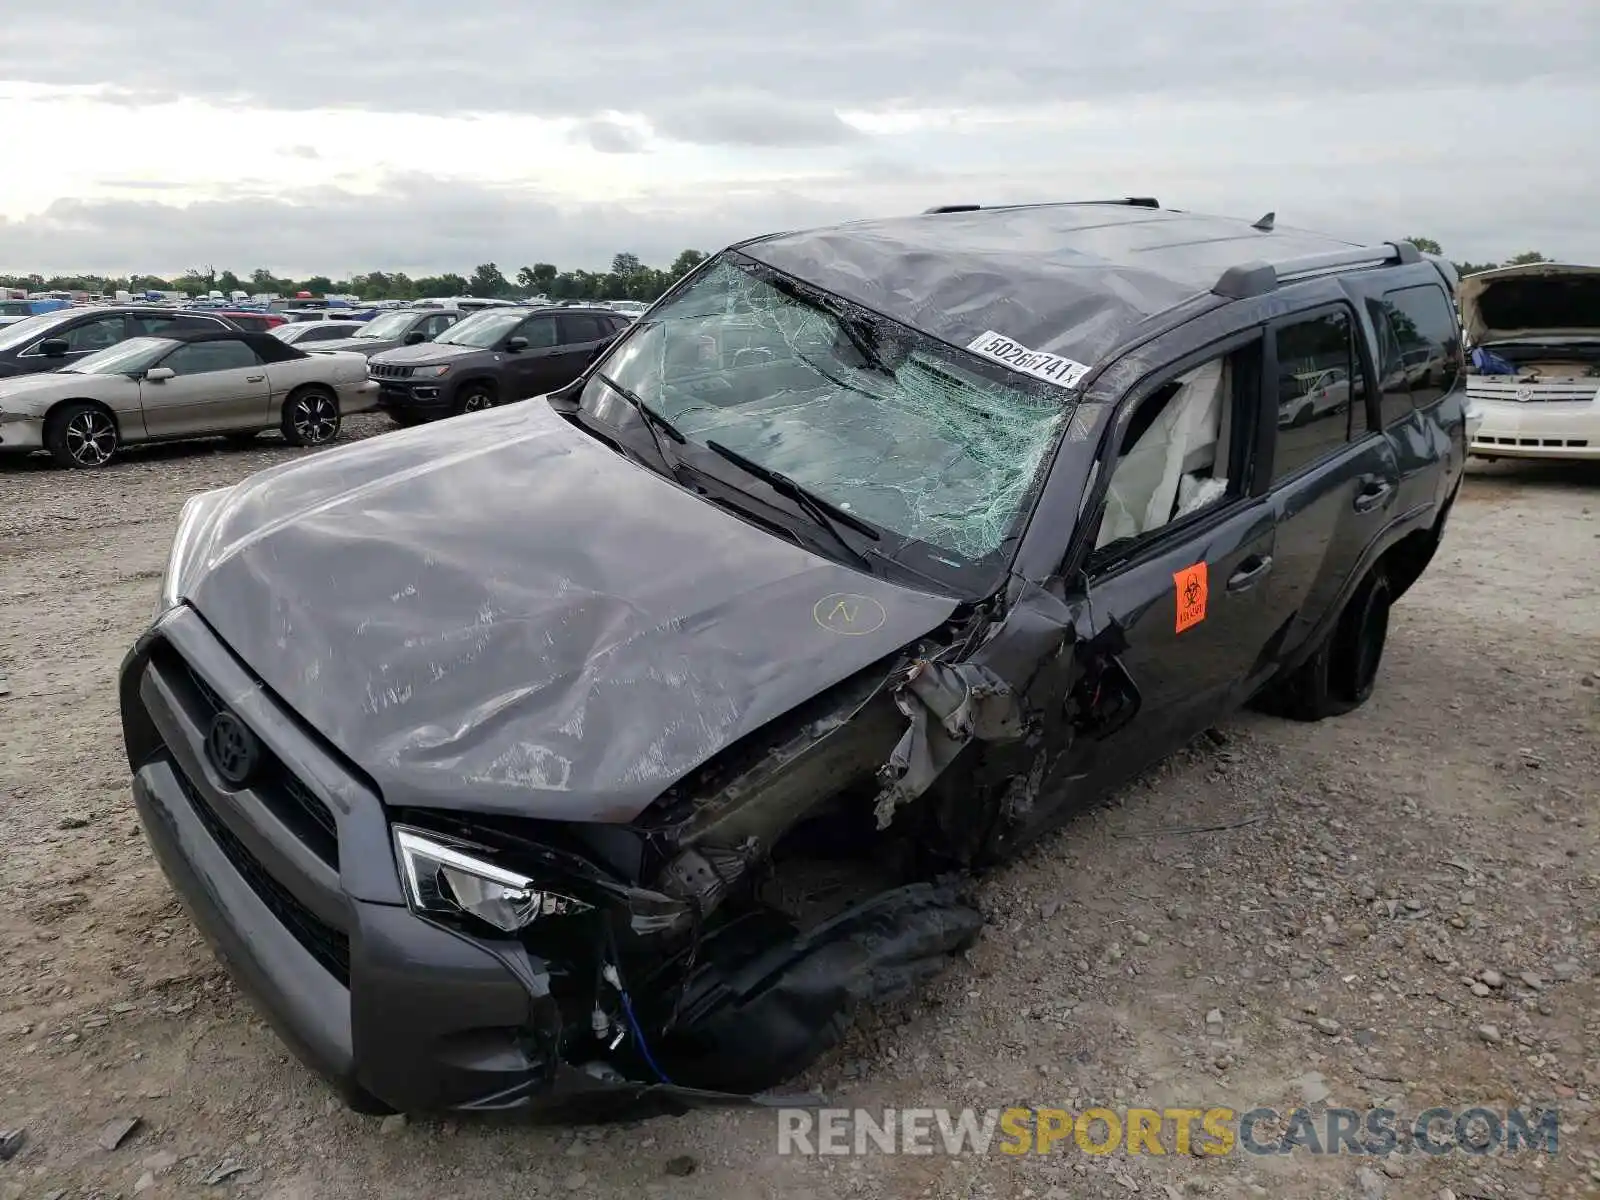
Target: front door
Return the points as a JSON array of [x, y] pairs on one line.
[[583, 336], [218, 387], [528, 371]]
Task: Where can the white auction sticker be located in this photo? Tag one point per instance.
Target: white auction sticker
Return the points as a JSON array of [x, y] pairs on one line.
[[1063, 372]]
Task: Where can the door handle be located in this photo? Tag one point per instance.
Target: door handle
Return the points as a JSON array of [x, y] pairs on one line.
[[254, 378], [1372, 495], [1251, 572]]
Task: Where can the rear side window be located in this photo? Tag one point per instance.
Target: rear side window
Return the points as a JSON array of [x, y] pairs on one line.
[[1319, 390], [577, 328], [1422, 355], [204, 357]]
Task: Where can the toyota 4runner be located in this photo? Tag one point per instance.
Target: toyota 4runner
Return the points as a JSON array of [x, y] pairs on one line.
[[629, 741]]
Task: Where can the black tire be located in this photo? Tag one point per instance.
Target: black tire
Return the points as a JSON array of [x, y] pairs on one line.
[[1339, 677], [311, 417], [81, 435], [475, 397]]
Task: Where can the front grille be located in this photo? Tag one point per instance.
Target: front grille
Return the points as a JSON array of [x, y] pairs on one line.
[[1555, 391], [1562, 443], [279, 789], [388, 371], [324, 943]]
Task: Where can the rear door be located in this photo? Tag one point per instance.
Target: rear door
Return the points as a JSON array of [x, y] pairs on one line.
[[1335, 481], [1421, 367], [219, 387]]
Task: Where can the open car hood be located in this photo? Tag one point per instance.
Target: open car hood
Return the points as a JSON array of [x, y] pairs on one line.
[[1531, 302], [498, 613]]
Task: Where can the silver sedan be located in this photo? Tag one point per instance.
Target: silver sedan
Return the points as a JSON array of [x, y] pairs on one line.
[[230, 384]]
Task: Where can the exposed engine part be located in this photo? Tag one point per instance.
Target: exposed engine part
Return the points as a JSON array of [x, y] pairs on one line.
[[705, 874], [948, 705]]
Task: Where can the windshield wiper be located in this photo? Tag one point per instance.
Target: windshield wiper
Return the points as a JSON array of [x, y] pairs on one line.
[[655, 424], [825, 513]]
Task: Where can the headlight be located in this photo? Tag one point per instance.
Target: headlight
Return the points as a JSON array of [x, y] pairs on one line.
[[430, 372], [197, 513], [445, 877]]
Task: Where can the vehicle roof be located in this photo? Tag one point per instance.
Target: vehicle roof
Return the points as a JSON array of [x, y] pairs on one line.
[[271, 349], [1071, 279]]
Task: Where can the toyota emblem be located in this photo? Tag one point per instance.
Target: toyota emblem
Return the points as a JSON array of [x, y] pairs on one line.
[[233, 750]]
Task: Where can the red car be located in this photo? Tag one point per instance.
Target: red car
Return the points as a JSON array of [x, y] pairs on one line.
[[256, 322]]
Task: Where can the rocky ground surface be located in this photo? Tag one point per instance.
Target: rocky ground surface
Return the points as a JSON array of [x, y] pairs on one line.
[[1398, 908]]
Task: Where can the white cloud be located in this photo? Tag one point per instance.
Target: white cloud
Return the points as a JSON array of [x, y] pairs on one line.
[[406, 134]]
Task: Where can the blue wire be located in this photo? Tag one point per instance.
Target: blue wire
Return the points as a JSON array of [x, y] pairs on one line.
[[633, 1023]]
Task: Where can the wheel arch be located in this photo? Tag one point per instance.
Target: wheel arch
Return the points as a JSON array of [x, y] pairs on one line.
[[54, 412]]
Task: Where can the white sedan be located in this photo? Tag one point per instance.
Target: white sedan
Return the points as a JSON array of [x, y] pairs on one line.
[[226, 383]]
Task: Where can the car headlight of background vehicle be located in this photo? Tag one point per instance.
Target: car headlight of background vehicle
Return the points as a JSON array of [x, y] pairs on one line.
[[444, 877], [198, 512], [430, 372]]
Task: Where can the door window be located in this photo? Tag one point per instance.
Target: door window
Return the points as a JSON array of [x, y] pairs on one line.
[[98, 334], [540, 332], [578, 328], [1185, 449], [200, 358], [1423, 355], [437, 324], [1318, 391]]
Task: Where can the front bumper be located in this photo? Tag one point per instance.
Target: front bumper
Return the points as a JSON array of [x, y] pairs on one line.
[[21, 432], [1536, 429], [415, 398], [293, 883]]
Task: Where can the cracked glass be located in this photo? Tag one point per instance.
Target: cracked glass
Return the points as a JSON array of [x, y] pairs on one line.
[[922, 440]]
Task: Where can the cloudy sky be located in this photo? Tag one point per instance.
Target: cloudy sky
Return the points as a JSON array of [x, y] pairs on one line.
[[428, 135]]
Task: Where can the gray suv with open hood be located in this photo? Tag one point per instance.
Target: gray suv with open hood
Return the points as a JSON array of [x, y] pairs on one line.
[[627, 742]]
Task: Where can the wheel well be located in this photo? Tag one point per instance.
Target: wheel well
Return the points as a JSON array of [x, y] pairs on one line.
[[1405, 561], [60, 406], [302, 388], [488, 381]]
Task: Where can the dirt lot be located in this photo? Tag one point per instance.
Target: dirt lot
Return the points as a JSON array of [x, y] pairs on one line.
[[1322, 949]]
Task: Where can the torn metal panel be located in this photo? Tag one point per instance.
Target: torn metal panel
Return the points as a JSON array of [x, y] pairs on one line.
[[948, 706]]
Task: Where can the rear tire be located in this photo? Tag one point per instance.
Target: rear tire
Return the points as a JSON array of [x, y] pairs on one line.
[[311, 417], [1339, 677], [475, 397], [82, 436]]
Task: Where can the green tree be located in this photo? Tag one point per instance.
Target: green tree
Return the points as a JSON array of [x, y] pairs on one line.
[[229, 282], [317, 285], [488, 282], [1426, 244], [625, 264], [1525, 258], [1471, 268], [686, 262]]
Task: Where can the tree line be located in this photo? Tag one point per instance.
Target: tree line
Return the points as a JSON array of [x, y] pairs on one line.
[[628, 279], [1428, 246]]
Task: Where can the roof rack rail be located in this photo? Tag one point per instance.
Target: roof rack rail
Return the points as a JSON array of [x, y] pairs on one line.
[[1259, 278], [1134, 201]]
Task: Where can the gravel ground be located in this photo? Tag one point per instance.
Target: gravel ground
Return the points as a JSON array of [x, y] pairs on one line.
[[1403, 909]]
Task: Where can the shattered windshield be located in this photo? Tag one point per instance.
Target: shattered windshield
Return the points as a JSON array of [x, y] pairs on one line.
[[921, 440]]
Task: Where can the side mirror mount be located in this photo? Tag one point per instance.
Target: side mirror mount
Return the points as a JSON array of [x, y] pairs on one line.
[[516, 345], [415, 338], [54, 347], [159, 374]]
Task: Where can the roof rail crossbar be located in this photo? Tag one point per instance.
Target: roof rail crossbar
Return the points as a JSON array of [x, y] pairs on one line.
[[1259, 278]]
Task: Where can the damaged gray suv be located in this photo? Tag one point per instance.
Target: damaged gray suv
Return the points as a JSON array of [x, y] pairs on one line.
[[626, 742]]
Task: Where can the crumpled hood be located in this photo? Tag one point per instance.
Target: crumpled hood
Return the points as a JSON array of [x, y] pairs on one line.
[[499, 613], [1526, 303]]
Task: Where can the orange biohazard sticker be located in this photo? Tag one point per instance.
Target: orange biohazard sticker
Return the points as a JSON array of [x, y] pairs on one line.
[[1191, 588]]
